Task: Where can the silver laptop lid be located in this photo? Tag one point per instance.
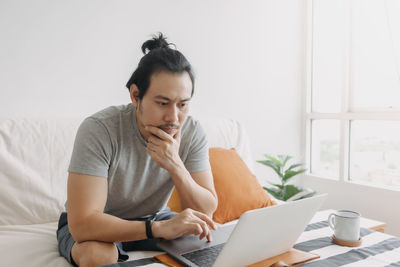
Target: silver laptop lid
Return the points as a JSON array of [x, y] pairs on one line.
[[267, 232], [258, 235]]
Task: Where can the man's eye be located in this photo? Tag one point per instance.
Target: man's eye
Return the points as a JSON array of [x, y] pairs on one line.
[[162, 103], [183, 105]]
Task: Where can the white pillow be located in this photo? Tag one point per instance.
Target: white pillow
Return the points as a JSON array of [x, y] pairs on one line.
[[34, 157], [228, 133]]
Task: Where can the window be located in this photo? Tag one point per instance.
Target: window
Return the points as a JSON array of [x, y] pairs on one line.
[[353, 91]]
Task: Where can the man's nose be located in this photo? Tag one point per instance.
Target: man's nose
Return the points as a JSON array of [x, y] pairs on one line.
[[172, 114]]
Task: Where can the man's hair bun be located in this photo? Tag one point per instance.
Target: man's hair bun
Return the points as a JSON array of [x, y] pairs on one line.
[[158, 41], [158, 56]]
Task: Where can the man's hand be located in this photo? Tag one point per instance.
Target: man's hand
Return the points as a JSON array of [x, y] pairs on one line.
[[196, 190], [164, 148], [185, 223]]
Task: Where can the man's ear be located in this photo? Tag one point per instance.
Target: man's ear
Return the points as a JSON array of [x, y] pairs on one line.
[[134, 94]]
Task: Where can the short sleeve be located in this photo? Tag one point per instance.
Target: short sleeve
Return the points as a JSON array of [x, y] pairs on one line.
[[198, 159], [92, 149]]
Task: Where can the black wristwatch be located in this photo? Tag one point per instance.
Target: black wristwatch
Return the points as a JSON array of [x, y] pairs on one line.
[[149, 232]]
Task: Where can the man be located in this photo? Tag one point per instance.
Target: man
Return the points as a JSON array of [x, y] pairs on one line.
[[126, 162]]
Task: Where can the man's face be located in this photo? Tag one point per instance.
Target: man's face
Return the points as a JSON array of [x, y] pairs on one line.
[[165, 104]]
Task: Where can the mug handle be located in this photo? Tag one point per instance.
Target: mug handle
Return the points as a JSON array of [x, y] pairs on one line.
[[331, 221]]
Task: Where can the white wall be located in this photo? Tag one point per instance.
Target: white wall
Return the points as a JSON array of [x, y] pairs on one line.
[[73, 58]]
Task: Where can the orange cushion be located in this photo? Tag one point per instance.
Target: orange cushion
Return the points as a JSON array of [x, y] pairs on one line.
[[174, 202], [237, 188]]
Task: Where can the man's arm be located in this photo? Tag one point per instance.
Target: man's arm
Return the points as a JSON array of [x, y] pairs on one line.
[[196, 190], [87, 196]]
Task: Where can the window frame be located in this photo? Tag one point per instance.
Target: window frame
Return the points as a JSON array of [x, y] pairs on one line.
[[345, 116]]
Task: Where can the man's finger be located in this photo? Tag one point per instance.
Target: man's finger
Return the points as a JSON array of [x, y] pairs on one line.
[[154, 140], [151, 150], [158, 132], [202, 236], [151, 147], [202, 230], [196, 229], [209, 237], [206, 231], [207, 219]]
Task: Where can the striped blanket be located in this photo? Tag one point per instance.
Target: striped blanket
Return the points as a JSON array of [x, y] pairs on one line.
[[377, 249]]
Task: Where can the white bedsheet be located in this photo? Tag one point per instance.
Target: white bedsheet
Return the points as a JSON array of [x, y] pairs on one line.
[[36, 245]]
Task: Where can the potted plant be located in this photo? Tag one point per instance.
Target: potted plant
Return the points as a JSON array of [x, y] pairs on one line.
[[285, 191]]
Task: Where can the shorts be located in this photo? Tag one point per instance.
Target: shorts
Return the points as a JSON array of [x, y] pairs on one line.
[[66, 241]]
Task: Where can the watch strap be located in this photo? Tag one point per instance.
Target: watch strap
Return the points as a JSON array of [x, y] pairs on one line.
[[149, 232]]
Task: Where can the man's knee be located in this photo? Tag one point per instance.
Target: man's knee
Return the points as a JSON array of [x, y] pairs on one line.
[[94, 253]]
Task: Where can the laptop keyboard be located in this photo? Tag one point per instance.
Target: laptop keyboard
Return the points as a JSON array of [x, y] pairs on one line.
[[204, 257]]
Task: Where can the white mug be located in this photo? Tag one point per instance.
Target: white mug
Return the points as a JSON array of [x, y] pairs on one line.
[[345, 224]]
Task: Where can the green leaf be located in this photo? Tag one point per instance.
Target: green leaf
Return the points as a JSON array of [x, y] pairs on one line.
[[289, 191], [281, 157], [279, 186], [275, 160], [294, 166], [289, 174], [285, 159], [272, 165], [276, 193]]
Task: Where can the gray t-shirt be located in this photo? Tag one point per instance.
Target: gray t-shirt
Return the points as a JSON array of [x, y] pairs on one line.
[[108, 144]]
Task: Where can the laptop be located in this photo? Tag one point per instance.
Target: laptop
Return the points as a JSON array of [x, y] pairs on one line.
[[259, 234]]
